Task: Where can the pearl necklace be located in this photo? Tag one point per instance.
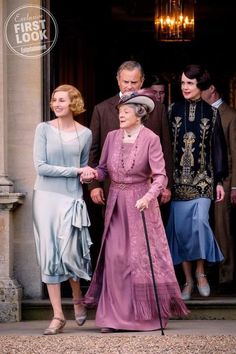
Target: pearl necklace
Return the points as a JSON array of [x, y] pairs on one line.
[[130, 139]]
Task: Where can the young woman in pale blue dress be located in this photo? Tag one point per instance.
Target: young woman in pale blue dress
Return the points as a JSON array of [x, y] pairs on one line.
[[61, 149]]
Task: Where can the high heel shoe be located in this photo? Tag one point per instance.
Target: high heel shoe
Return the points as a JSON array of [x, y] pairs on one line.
[[56, 329], [81, 316], [187, 291], [203, 290]]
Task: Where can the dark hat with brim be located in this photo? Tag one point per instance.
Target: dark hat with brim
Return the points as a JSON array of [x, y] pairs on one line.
[[142, 97]]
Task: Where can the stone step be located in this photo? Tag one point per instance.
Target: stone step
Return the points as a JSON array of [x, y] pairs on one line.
[[211, 308], [42, 310]]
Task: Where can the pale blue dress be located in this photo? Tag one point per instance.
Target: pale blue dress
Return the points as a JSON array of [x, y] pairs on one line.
[[60, 217]]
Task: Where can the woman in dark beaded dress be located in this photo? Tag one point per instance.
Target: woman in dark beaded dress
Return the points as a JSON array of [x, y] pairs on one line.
[[199, 155]]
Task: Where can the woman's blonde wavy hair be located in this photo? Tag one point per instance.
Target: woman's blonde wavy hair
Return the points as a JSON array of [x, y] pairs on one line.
[[77, 102]]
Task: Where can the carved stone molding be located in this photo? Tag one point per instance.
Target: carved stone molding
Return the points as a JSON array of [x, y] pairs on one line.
[[9, 201]]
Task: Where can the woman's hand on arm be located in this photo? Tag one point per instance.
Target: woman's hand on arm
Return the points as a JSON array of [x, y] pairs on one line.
[[87, 174]]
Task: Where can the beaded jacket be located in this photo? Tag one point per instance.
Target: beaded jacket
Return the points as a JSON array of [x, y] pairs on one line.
[[199, 149]]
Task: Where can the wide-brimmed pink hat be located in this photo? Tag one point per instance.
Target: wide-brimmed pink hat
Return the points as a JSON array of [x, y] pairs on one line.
[[144, 97]]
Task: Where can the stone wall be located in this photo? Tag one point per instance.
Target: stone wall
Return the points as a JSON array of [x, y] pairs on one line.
[[21, 110]]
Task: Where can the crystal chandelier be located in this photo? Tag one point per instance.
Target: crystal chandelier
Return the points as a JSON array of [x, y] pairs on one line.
[[174, 20]]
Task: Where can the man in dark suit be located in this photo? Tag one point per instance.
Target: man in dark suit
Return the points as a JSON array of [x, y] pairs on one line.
[[130, 77], [223, 210]]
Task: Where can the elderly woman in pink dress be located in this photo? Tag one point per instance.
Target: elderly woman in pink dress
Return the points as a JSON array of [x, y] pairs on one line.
[[122, 286]]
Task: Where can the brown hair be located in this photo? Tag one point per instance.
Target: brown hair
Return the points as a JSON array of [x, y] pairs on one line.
[[198, 72], [77, 102]]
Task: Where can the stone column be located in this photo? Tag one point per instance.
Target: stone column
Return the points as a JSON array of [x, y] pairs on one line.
[[10, 290]]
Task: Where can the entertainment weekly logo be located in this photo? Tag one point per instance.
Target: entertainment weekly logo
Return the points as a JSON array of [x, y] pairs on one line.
[[30, 31]]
